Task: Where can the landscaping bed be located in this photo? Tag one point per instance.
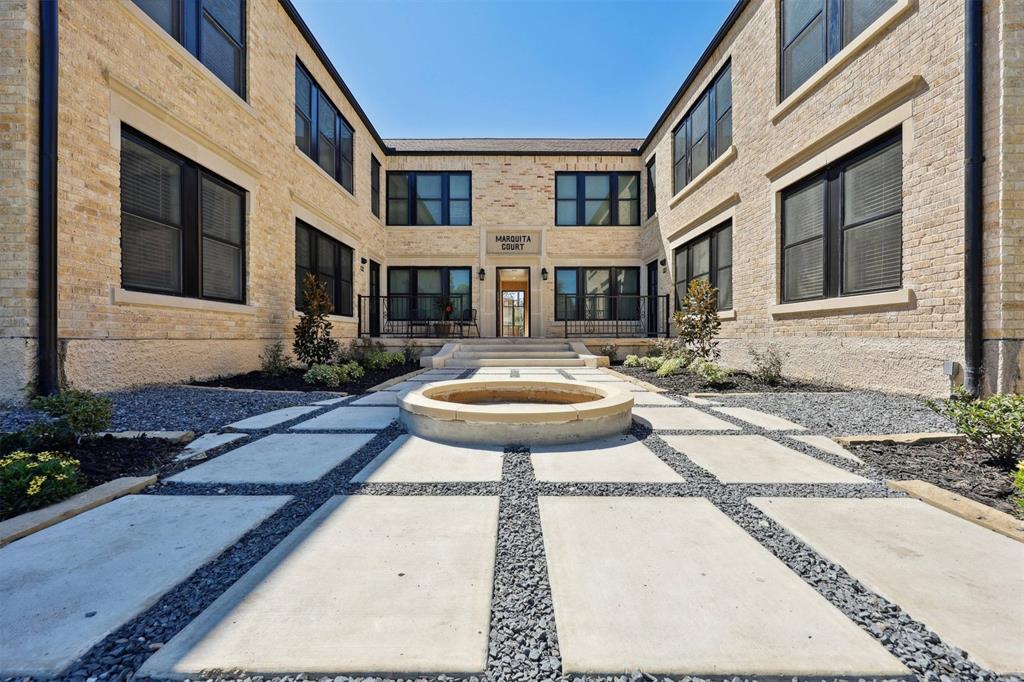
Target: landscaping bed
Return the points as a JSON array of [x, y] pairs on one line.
[[738, 382], [292, 380], [106, 458], [956, 466]]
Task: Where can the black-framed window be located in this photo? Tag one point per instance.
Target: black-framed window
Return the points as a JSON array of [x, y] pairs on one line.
[[705, 133], [430, 198], [597, 293], [597, 198], [328, 259], [708, 257], [182, 227], [321, 132], [652, 201], [813, 31], [212, 30], [842, 228], [422, 293], [375, 186]]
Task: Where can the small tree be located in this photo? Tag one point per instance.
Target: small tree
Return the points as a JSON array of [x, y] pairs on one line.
[[697, 323], [313, 344]]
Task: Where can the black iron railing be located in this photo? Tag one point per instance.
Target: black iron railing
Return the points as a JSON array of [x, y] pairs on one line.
[[417, 315], [609, 316]]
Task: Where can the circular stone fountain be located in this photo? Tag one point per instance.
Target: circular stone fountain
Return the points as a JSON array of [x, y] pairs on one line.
[[515, 411]]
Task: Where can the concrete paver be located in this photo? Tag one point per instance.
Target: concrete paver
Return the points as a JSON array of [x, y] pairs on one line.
[[271, 419], [756, 459], [622, 459], [681, 418], [961, 580], [758, 418], [673, 586], [378, 398], [66, 587], [411, 459], [826, 444], [208, 442], [346, 417], [367, 584], [278, 458], [641, 398]]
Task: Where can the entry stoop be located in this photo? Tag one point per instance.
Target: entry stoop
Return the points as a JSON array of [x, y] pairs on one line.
[[512, 353]]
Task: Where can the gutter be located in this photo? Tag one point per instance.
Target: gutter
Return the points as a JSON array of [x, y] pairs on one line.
[[47, 312], [973, 188]]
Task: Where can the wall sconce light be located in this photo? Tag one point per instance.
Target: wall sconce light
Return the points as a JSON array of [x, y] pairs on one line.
[[663, 262], [362, 261], [544, 274], [481, 273]]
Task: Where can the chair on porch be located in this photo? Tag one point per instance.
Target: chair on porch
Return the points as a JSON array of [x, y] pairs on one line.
[[468, 321]]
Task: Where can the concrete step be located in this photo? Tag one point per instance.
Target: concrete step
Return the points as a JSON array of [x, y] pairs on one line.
[[515, 362], [522, 353], [514, 348]]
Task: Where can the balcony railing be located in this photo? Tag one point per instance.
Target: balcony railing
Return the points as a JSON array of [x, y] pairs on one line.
[[625, 315], [417, 315]]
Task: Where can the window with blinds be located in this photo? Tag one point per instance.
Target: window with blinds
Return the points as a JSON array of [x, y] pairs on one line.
[[321, 132], [842, 227], [327, 258], [182, 227], [708, 257], [705, 133]]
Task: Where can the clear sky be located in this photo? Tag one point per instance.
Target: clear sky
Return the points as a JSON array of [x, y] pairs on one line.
[[514, 68]]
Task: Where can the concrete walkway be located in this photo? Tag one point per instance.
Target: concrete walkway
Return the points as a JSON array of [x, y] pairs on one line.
[[709, 541]]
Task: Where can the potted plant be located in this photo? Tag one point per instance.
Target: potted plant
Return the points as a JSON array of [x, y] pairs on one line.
[[443, 328]]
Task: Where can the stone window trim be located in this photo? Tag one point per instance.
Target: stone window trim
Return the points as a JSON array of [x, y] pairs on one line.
[[187, 57], [716, 167], [833, 66], [897, 299], [716, 111], [344, 190], [120, 296]]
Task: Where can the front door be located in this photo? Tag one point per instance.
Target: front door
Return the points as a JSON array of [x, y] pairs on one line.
[[374, 310], [513, 302], [652, 298]]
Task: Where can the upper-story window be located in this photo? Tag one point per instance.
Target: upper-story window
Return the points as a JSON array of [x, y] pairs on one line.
[[375, 186], [652, 203], [320, 131], [813, 31], [842, 227], [597, 198], [708, 257], [212, 30], [329, 260], [182, 227], [422, 198], [705, 133]]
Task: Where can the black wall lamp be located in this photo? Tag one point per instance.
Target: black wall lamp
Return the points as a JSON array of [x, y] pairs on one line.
[[481, 273], [544, 274]]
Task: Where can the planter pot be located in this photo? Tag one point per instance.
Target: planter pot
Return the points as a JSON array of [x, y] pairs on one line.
[[442, 329]]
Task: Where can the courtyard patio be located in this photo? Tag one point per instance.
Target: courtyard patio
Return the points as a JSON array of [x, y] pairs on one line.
[[720, 537]]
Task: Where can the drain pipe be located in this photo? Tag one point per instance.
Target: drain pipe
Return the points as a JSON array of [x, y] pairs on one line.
[[47, 319], [973, 187]]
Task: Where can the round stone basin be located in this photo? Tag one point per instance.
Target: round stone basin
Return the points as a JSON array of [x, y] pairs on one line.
[[515, 411]]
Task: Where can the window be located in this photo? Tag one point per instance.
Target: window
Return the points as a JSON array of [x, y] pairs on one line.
[[212, 30], [705, 133], [597, 293], [182, 227], [329, 260], [429, 198], [422, 293], [842, 227], [320, 131], [375, 186], [652, 204], [814, 31], [708, 257], [597, 198]]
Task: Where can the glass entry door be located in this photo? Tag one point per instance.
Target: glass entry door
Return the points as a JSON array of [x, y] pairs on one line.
[[513, 313], [513, 302]]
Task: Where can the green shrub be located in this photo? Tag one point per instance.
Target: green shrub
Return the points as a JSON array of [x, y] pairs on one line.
[[698, 323], [83, 412], [313, 344], [382, 359], [1018, 483], [768, 364], [670, 366], [711, 372], [411, 352], [995, 424], [652, 362], [273, 361], [333, 376], [631, 361], [30, 481], [611, 352]]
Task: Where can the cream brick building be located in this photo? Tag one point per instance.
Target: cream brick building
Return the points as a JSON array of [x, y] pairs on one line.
[[186, 178]]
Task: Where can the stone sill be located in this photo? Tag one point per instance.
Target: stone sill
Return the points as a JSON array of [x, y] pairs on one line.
[[834, 65], [901, 298], [344, 190], [345, 319], [121, 296], [716, 167], [727, 314]]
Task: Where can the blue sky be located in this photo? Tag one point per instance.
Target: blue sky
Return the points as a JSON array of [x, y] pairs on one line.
[[526, 68]]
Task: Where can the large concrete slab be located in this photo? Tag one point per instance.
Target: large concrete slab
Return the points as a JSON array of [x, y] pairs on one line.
[[345, 417], [643, 398], [758, 418], [411, 459], [826, 444], [278, 458], [673, 586], [621, 459], [681, 418], [756, 459], [208, 442], [963, 581], [378, 398], [403, 386], [271, 419], [366, 584], [65, 588]]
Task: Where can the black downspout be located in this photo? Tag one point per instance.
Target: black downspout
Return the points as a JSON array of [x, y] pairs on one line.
[[973, 187], [47, 324]]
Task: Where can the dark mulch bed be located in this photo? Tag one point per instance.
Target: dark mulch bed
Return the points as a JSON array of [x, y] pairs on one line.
[[740, 382], [104, 459], [955, 466], [292, 381]]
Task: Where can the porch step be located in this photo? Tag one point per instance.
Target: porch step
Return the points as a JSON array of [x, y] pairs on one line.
[[520, 348], [516, 362], [513, 354]]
